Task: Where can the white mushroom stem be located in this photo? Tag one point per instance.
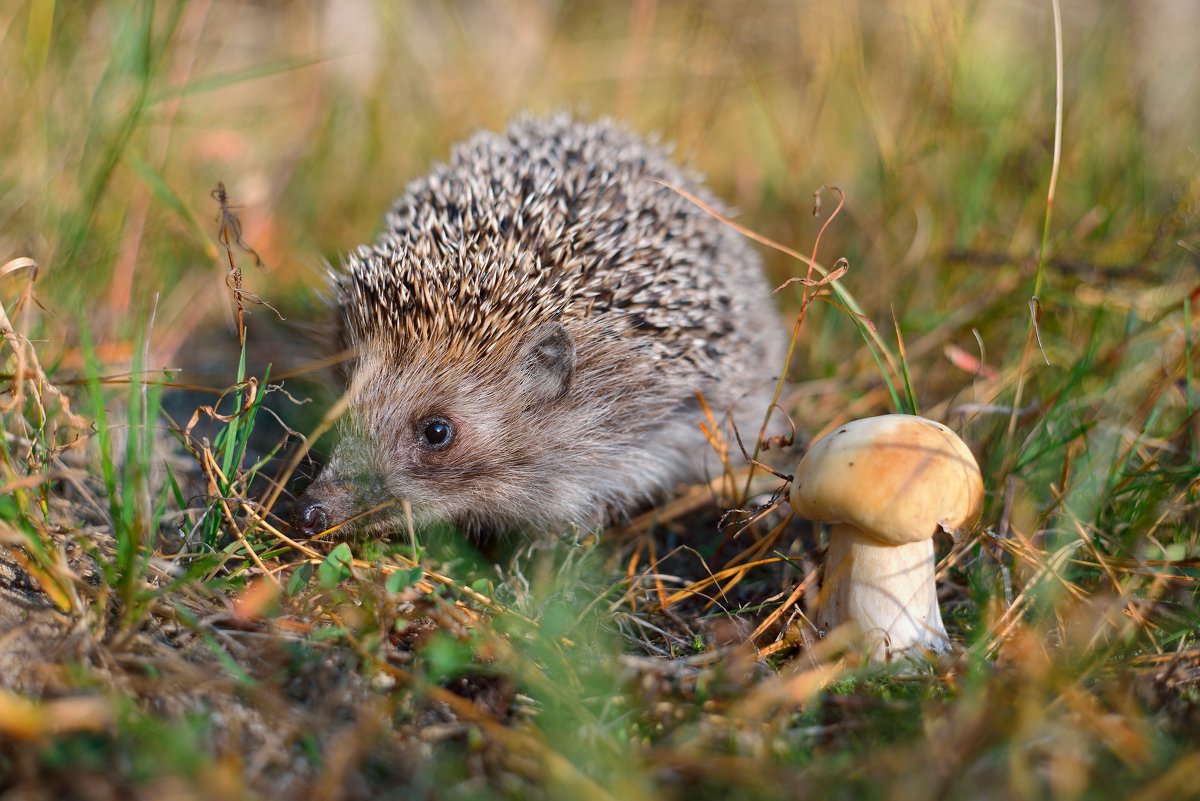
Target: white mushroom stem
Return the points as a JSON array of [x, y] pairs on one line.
[[888, 591], [887, 485]]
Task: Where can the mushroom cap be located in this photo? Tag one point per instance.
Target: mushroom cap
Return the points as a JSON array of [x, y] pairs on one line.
[[897, 478]]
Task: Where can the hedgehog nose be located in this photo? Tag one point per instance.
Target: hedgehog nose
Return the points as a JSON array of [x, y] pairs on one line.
[[310, 516]]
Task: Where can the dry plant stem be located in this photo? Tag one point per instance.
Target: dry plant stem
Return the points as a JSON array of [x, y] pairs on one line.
[[1058, 129], [228, 233], [28, 368], [214, 490], [808, 294], [1050, 192], [699, 496], [771, 619], [753, 552], [252, 512], [338, 527], [887, 591], [808, 282], [659, 590], [715, 578], [1046, 565], [327, 422], [712, 432]]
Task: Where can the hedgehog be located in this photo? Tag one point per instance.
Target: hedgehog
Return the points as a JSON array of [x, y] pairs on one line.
[[530, 337]]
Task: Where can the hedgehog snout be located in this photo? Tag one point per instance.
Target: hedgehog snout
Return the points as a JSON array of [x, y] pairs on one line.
[[326, 503], [310, 516], [351, 484]]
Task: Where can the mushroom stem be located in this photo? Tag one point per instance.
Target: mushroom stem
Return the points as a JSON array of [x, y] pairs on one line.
[[888, 591]]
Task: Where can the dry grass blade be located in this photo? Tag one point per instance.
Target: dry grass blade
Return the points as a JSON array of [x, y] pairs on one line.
[[27, 719], [28, 370], [799, 591], [697, 587], [249, 387]]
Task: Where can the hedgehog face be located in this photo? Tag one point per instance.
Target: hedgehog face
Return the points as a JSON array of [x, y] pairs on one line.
[[442, 432]]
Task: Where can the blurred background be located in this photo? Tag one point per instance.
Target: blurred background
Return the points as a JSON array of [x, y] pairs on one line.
[[936, 118]]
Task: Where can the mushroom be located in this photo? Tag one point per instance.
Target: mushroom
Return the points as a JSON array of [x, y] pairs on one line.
[[886, 485]]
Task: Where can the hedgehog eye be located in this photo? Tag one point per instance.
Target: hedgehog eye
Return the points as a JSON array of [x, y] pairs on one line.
[[436, 433]]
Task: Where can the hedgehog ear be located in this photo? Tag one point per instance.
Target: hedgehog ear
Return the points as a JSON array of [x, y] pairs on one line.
[[548, 362]]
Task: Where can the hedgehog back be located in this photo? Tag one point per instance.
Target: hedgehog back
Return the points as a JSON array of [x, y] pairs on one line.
[[555, 220]]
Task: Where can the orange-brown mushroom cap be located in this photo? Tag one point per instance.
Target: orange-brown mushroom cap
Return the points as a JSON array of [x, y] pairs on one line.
[[897, 478]]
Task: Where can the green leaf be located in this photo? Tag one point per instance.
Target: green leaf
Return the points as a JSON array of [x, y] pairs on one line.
[[222, 80], [403, 578], [299, 579], [336, 567], [447, 657]]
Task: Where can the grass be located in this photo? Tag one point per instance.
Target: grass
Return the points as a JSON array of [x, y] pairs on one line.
[[162, 633]]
